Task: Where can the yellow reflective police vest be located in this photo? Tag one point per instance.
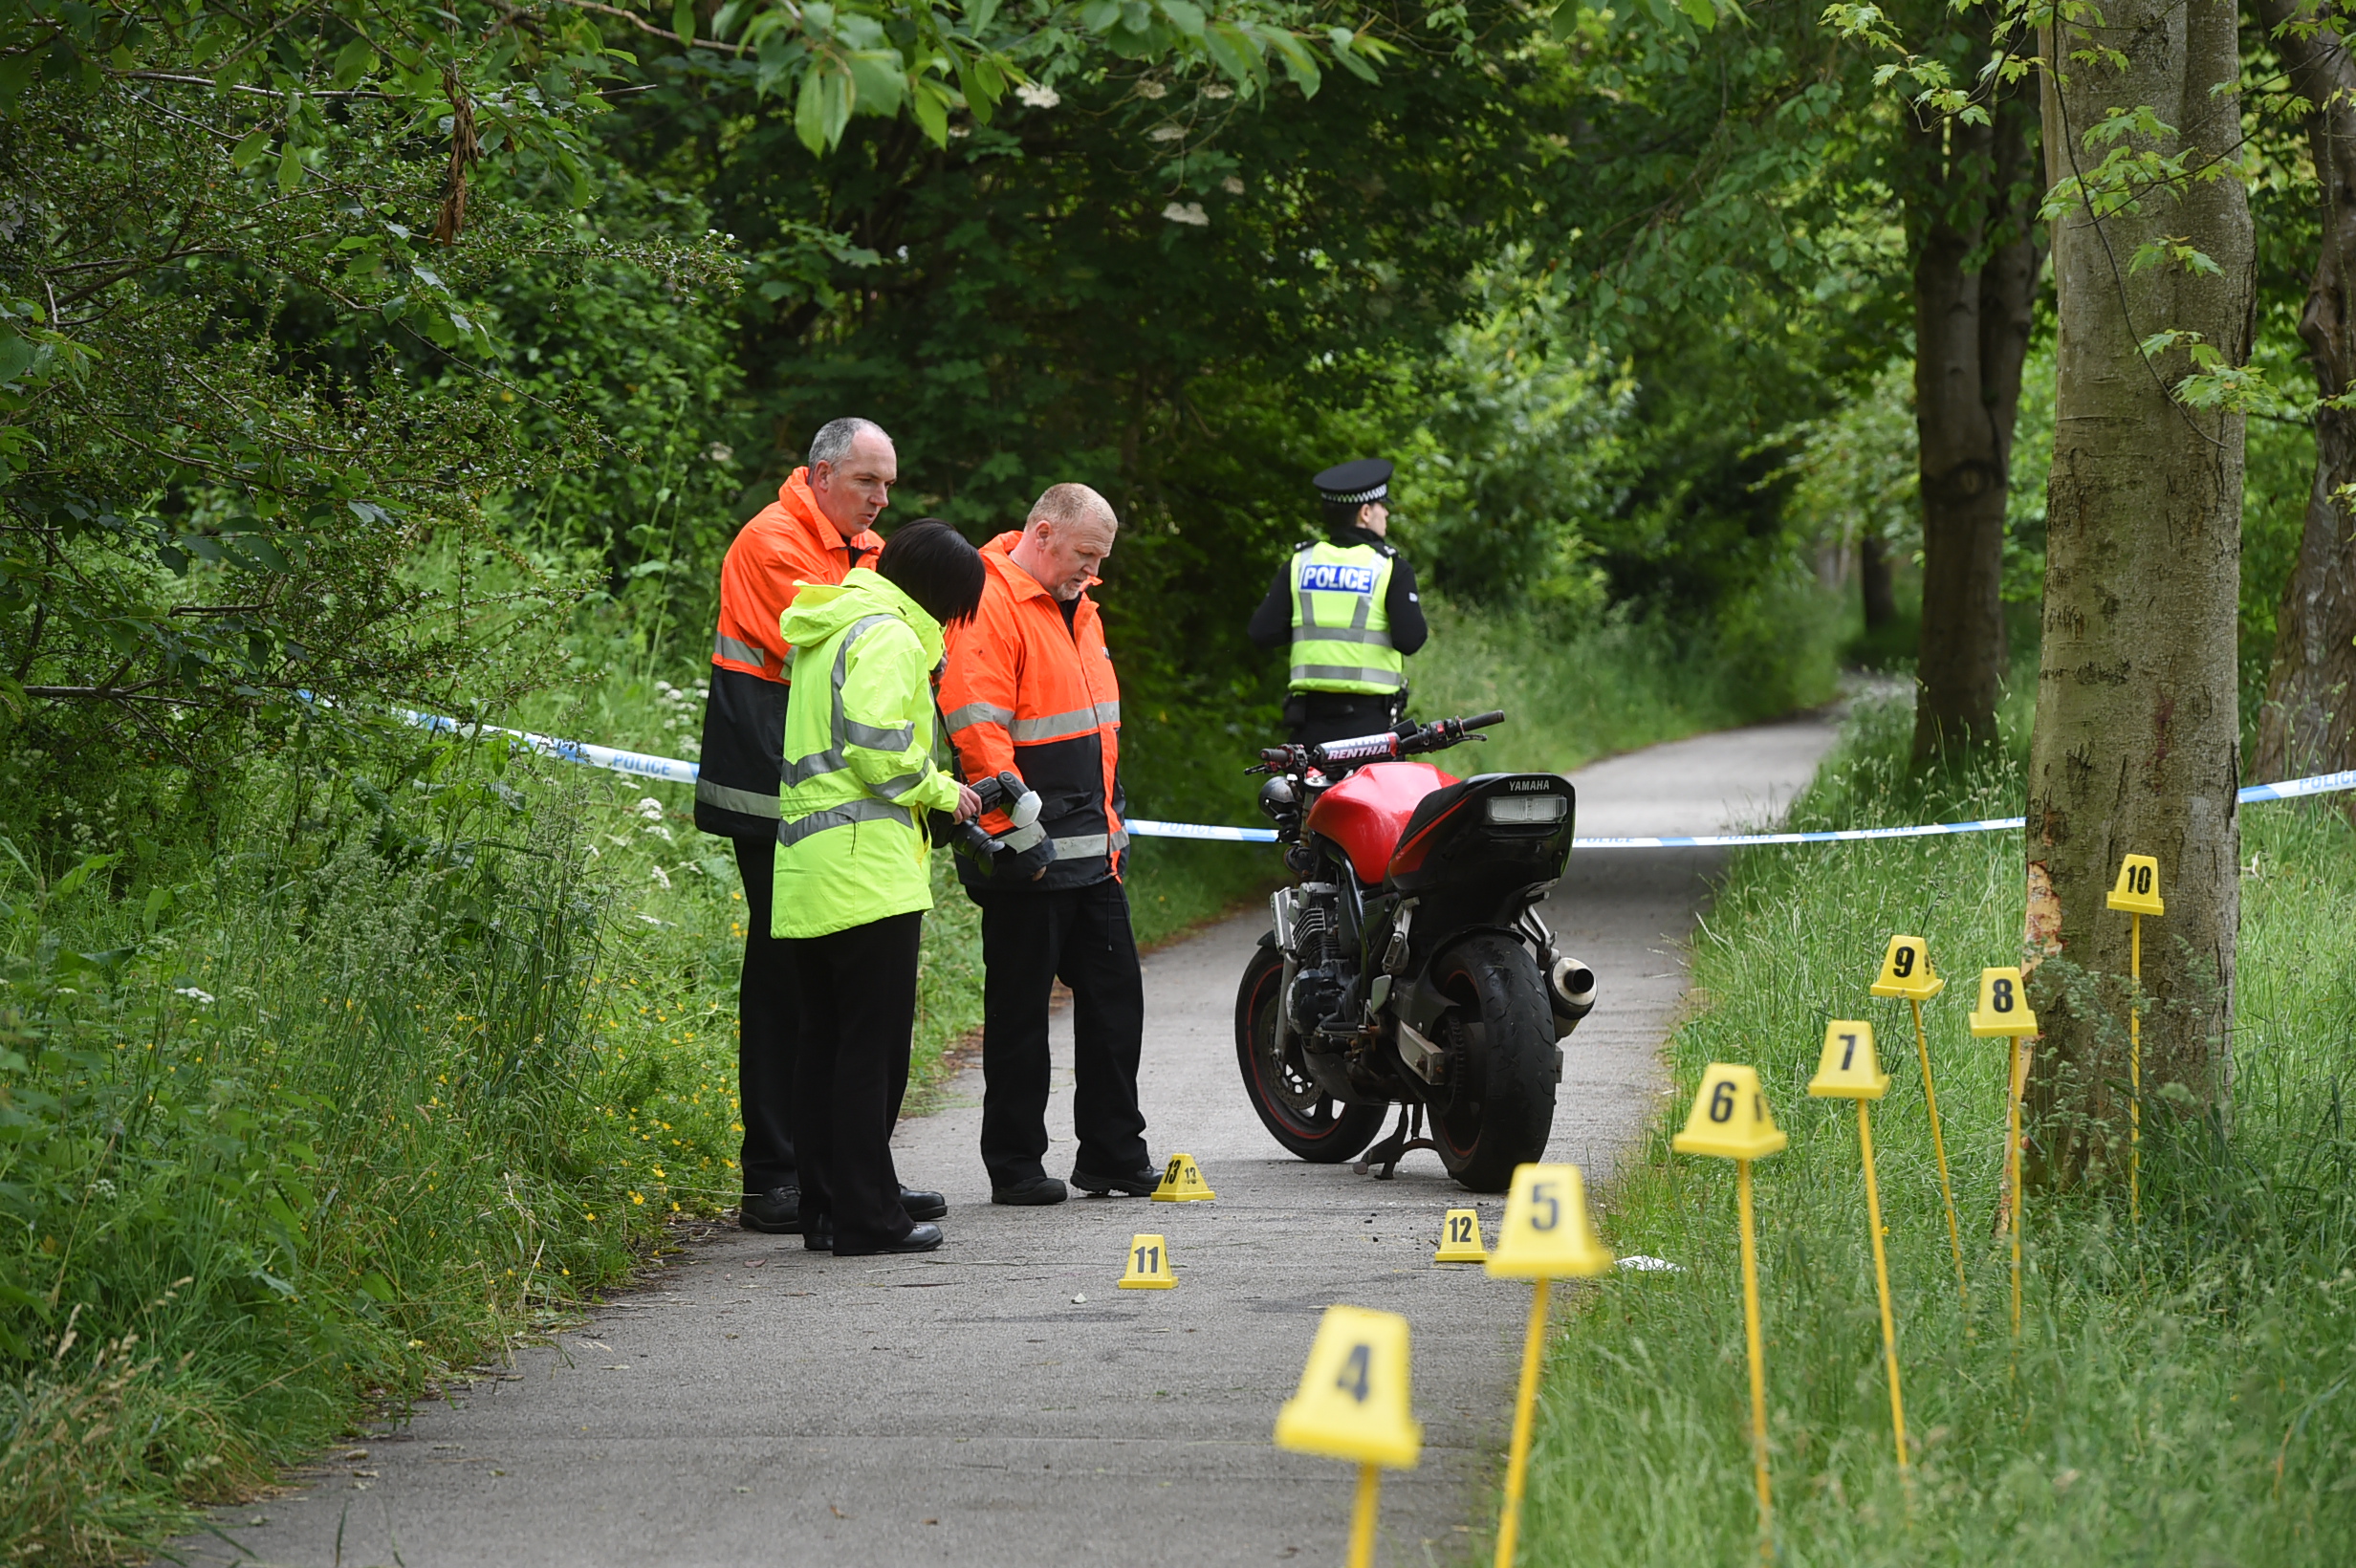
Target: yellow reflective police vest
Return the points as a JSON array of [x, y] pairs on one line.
[[1340, 620]]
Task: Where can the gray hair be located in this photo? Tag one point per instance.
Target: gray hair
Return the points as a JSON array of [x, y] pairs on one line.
[[1070, 506], [835, 437]]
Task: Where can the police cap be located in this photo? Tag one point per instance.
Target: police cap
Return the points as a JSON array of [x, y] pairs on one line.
[[1355, 484]]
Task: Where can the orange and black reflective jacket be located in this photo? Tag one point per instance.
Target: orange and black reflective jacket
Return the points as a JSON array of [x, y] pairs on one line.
[[1024, 690], [788, 543]]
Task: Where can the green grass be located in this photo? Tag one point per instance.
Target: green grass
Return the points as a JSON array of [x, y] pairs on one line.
[[1575, 689], [2184, 1396]]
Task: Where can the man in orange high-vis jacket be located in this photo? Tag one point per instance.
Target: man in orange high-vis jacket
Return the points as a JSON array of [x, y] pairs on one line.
[[819, 526], [1028, 685]]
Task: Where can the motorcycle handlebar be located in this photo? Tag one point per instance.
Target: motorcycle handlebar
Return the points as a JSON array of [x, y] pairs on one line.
[[1382, 746]]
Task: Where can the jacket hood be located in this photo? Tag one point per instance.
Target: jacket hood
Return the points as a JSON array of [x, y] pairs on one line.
[[820, 611]]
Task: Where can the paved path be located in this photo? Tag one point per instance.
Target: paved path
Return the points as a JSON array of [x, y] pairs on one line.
[[999, 1402]]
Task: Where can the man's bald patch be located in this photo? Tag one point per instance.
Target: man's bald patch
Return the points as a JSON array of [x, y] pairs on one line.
[[1071, 507]]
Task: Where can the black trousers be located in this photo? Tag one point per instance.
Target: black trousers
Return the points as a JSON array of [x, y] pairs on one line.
[[765, 1027], [1317, 717], [858, 991], [1030, 940]]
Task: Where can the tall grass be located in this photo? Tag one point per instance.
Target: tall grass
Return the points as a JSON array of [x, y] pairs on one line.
[[1575, 688], [2181, 1395]]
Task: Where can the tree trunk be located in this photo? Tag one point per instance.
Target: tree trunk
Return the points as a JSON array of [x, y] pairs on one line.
[[2136, 734], [1970, 210], [1873, 581], [2309, 723]]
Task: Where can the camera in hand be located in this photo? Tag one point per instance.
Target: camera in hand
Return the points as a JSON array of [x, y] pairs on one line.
[[1004, 792]]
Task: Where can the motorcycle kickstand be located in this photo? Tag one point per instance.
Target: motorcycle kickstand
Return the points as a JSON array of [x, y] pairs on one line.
[[1405, 1139]]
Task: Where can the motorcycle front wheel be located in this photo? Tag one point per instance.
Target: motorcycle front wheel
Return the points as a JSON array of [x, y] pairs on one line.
[[1499, 1108], [1296, 1113]]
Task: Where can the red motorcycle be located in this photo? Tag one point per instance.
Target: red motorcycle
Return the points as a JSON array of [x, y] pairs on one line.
[[1408, 965]]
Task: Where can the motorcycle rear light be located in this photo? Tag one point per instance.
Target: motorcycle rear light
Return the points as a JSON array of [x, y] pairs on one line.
[[1524, 809]]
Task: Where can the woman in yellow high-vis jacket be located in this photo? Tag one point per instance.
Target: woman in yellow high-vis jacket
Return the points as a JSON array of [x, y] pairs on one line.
[[851, 883]]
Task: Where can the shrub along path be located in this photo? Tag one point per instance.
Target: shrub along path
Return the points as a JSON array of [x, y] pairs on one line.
[[999, 1402]]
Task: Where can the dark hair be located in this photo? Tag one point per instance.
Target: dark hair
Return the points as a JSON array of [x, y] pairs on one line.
[[931, 563], [1341, 515]]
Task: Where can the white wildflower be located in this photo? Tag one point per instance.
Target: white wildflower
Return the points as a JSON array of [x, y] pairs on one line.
[[720, 453], [1038, 95], [1188, 212], [193, 994], [1232, 185], [649, 808], [1218, 89], [660, 876], [1166, 133], [1151, 90]]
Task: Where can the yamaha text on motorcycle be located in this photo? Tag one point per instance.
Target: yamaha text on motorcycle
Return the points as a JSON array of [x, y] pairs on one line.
[[1408, 965]]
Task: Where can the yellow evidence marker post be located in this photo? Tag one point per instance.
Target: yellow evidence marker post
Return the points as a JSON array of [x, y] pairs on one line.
[[1905, 972], [2138, 894], [1460, 1238], [1851, 1069], [1730, 1120], [1352, 1403], [1149, 1265], [2004, 1010], [1182, 1181], [1546, 1234]]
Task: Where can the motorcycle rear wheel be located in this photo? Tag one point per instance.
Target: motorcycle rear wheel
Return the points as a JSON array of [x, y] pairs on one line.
[[1499, 1109], [1294, 1110]]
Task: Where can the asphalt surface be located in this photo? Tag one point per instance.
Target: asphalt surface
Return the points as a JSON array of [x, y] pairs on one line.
[[999, 1402]]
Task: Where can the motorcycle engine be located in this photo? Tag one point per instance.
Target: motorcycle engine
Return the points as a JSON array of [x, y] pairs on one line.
[[1317, 981]]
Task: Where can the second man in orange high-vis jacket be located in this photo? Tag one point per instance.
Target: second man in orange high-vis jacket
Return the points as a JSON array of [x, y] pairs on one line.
[[1029, 686], [820, 525]]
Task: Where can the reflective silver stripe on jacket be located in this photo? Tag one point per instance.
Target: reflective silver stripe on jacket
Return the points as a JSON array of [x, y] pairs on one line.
[[742, 801], [724, 646], [832, 760], [861, 809], [1348, 673], [1022, 839], [1341, 634], [1078, 721], [1082, 846], [977, 714]]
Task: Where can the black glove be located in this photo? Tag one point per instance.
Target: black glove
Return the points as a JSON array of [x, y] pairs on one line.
[[1022, 865]]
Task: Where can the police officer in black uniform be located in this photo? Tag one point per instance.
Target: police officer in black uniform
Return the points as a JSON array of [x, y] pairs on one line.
[[1346, 606]]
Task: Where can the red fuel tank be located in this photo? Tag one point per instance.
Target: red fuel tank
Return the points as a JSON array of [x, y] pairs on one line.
[[1365, 812]]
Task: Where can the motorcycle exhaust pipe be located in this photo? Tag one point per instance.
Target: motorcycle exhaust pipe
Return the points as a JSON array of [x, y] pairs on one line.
[[1570, 991]]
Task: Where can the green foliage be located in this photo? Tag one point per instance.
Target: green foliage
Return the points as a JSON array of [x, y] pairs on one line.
[[2174, 1399]]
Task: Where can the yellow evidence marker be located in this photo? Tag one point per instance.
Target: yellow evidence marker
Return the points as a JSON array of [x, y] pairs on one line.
[[1182, 1181], [1149, 1265], [1460, 1238], [1544, 1235], [2004, 1010], [1730, 1120], [1906, 973], [2138, 894], [1849, 1069], [1352, 1405]]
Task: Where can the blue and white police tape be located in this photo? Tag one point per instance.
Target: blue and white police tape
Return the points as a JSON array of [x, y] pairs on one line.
[[672, 770]]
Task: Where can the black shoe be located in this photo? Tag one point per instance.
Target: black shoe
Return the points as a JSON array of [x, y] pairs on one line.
[[1031, 1193], [819, 1235], [1137, 1184], [925, 1239], [775, 1212], [922, 1205]]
